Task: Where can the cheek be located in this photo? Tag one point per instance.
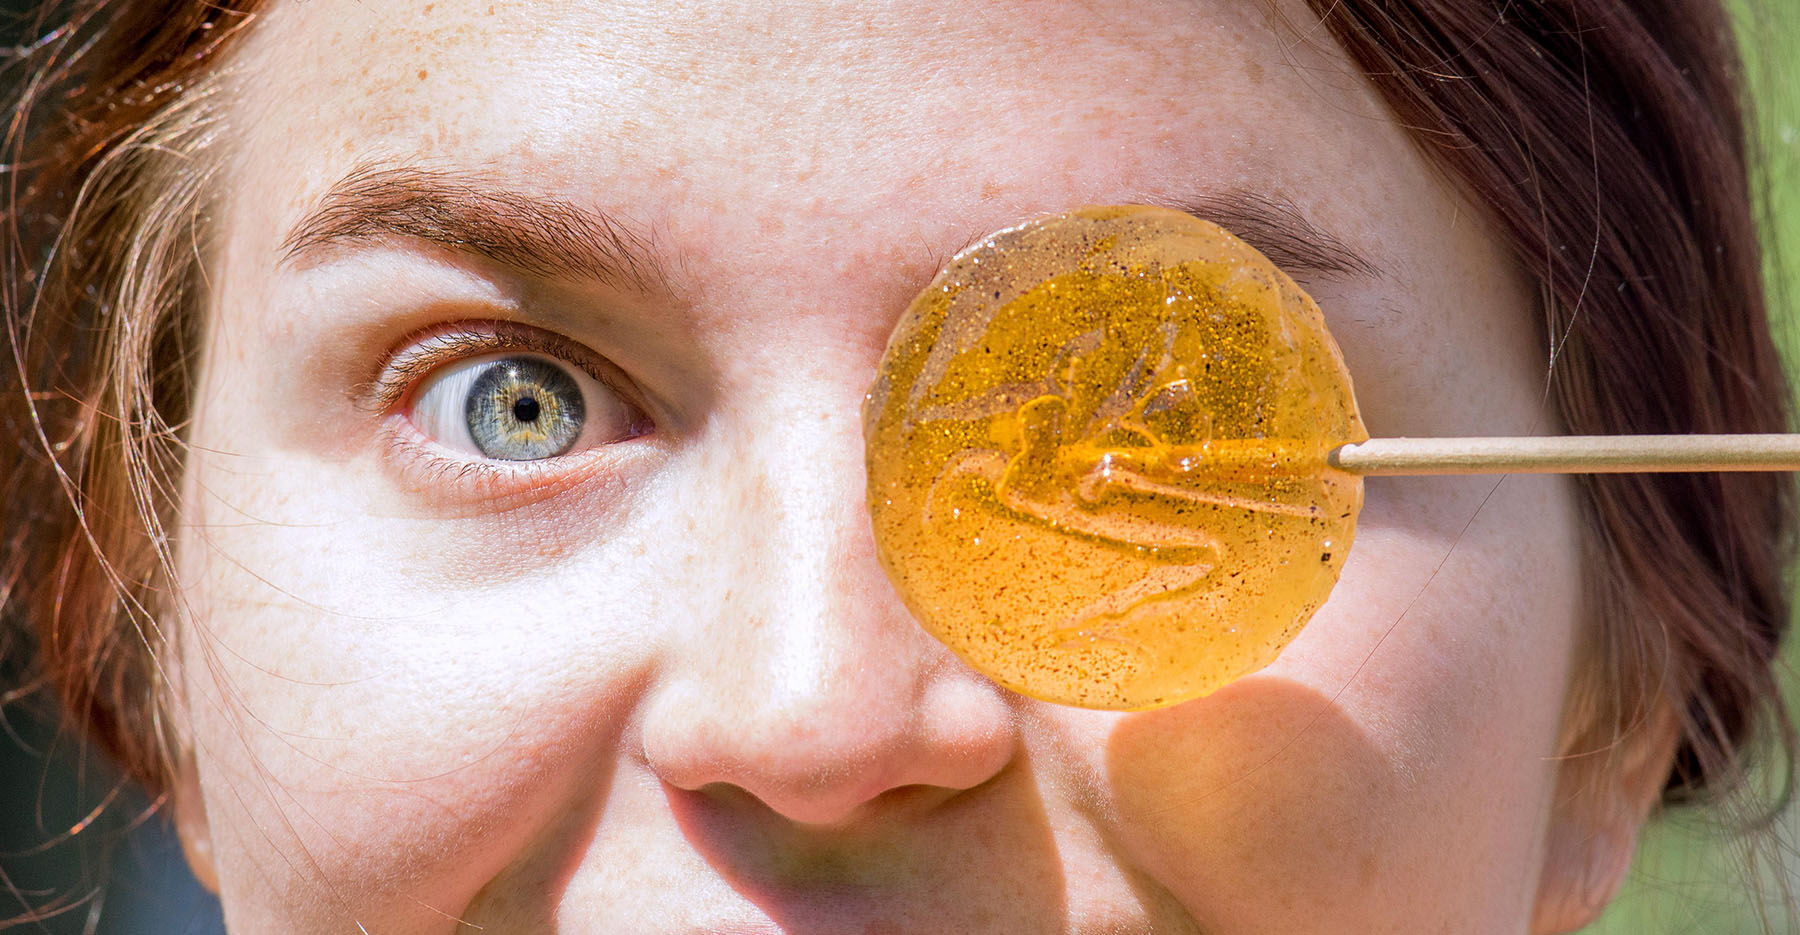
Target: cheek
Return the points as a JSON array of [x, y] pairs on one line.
[[366, 713], [1397, 762]]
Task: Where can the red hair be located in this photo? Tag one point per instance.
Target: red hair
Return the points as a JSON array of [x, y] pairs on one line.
[[1607, 139]]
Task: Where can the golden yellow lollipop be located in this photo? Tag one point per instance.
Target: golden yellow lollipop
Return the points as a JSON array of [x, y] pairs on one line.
[[1097, 458]]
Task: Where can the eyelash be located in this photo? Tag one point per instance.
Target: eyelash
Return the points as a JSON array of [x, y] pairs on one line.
[[425, 352], [422, 353]]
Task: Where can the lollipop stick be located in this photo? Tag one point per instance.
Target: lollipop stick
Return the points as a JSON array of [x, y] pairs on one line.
[[1569, 454]]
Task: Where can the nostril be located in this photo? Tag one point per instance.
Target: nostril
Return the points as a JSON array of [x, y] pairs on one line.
[[725, 810], [826, 798], [832, 764]]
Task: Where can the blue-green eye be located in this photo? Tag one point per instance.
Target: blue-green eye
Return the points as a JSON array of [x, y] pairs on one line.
[[519, 407]]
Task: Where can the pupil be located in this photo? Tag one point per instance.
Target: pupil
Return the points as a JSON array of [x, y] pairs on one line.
[[525, 409]]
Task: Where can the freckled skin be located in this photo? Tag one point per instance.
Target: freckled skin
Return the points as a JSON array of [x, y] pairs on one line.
[[665, 685]]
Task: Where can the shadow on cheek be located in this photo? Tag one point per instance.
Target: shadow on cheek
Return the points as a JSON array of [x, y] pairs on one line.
[[527, 895], [1261, 802]]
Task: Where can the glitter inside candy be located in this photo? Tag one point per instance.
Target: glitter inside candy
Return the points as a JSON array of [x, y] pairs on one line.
[[1096, 458]]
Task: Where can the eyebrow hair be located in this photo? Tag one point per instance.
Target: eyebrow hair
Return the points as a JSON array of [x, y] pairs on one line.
[[549, 237], [538, 235], [1279, 230]]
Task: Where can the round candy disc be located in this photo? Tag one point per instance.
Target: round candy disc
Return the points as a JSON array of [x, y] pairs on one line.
[[1096, 458]]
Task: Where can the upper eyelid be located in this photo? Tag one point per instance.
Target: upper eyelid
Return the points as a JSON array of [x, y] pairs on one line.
[[424, 352]]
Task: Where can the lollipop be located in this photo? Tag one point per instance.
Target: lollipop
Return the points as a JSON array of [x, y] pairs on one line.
[[1097, 458], [1113, 457]]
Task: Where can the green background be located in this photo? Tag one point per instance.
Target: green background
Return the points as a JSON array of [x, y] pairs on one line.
[[1700, 871]]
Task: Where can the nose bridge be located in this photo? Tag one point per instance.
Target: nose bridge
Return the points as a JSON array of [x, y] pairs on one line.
[[818, 625], [813, 689], [822, 580]]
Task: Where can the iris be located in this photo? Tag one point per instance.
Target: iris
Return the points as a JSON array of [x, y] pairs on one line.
[[523, 409]]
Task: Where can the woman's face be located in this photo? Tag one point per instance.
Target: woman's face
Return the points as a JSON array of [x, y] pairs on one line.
[[660, 684]]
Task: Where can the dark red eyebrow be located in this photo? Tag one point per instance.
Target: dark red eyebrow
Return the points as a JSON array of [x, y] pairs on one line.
[[537, 235], [549, 237], [1280, 230]]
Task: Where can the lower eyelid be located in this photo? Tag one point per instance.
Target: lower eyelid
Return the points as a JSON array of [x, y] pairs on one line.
[[447, 484]]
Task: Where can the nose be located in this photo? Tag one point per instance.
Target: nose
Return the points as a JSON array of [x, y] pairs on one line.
[[807, 684]]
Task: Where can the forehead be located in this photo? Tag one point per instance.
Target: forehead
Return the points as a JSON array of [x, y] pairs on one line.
[[872, 122]]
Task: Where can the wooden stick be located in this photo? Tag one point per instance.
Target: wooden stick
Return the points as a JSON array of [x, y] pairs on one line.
[[1569, 454]]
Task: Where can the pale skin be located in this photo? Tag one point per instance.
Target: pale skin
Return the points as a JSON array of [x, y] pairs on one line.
[[660, 683]]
